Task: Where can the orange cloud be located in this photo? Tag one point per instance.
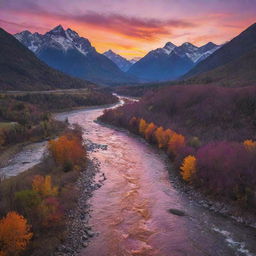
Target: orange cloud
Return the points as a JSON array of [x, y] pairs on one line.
[[127, 35]]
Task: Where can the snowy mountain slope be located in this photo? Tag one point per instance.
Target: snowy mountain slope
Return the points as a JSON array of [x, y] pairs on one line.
[[171, 61], [66, 51], [20, 69]]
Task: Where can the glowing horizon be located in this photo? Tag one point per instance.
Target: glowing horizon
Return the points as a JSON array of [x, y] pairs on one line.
[[133, 28]]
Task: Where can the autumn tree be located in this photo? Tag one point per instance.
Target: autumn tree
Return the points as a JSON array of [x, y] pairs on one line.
[[159, 136], [168, 135], [142, 126], [14, 234], [43, 185], [67, 149], [176, 142], [188, 167], [250, 145], [149, 131]]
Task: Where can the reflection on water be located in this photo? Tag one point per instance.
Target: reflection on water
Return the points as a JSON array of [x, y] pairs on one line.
[[130, 211]]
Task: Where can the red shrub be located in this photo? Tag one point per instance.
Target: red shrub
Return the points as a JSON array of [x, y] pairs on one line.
[[226, 168]]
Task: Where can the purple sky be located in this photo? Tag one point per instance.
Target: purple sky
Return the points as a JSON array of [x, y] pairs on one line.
[[133, 27]]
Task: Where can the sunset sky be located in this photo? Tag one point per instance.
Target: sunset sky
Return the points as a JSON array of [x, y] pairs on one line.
[[133, 27]]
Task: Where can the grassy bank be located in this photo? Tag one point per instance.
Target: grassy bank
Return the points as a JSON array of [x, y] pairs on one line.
[[62, 100], [26, 117]]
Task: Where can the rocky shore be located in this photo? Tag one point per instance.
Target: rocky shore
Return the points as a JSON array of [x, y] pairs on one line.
[[79, 230], [224, 208]]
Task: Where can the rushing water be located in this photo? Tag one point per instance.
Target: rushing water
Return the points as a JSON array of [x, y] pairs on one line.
[[130, 211]]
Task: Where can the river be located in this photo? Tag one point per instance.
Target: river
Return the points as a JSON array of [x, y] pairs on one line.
[[130, 211]]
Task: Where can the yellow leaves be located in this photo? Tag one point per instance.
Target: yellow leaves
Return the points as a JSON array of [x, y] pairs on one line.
[[165, 139], [188, 167], [250, 145], [14, 234], [43, 185], [142, 126]]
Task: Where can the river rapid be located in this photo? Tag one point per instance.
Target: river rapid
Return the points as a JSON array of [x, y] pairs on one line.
[[130, 211]]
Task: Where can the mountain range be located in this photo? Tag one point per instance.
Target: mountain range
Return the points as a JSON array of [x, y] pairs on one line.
[[66, 51], [20, 69], [171, 61]]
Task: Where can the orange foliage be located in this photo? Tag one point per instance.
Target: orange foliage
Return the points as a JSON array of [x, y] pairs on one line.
[[250, 145], [188, 167], [168, 134], [149, 131], [43, 185], [142, 126], [14, 234], [162, 136], [67, 148], [176, 142]]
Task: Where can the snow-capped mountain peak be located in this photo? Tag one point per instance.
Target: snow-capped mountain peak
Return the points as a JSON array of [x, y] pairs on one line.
[[186, 50], [57, 29], [71, 34], [188, 47], [169, 47], [195, 53], [57, 38]]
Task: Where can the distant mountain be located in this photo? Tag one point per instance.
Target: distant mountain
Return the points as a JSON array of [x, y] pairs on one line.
[[20, 69], [171, 61], [120, 61], [231, 51], [66, 51], [134, 60]]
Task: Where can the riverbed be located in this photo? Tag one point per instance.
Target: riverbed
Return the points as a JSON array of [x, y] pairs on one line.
[[30, 155]]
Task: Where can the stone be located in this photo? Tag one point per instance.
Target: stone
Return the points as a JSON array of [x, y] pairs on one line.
[[177, 212]]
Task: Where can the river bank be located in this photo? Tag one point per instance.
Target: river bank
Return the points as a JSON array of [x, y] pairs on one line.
[[130, 213], [79, 231], [8, 157], [222, 207]]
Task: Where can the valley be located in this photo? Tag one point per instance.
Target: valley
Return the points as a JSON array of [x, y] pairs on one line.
[[127, 128], [130, 211]]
